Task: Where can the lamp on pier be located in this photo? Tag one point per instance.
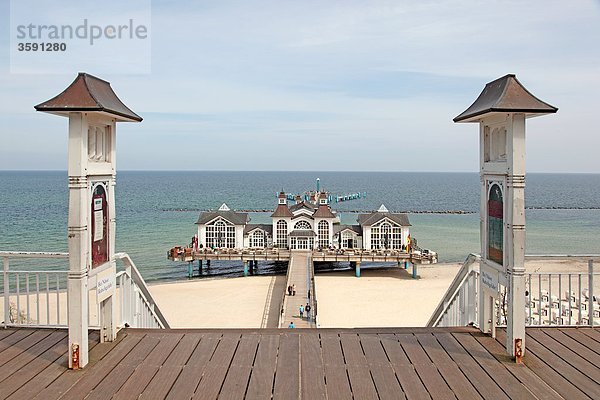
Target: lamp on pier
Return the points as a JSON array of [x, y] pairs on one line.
[[93, 110], [501, 111]]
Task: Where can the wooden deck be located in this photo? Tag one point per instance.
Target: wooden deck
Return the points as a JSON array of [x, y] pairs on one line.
[[388, 363]]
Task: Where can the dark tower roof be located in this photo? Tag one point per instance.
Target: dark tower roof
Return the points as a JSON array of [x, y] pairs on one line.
[[323, 212], [505, 94], [88, 93]]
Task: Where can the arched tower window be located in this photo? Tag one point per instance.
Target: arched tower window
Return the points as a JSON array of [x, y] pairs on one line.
[[282, 232], [323, 232]]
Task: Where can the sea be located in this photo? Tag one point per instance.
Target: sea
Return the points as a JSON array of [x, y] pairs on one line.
[[157, 210]]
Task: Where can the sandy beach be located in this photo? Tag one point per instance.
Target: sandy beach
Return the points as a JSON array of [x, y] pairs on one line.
[[380, 297]]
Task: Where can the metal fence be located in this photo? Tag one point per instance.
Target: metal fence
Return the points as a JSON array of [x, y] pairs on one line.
[[553, 298], [33, 297]]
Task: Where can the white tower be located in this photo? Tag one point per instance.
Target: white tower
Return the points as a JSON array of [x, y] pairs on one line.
[[93, 110], [501, 110]]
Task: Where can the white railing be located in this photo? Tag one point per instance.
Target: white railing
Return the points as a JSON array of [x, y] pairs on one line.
[[458, 307], [553, 298], [38, 298], [138, 308], [35, 298]]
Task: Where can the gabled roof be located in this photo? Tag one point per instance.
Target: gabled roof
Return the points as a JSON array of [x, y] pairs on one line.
[[373, 218], [505, 94], [323, 212], [340, 228], [88, 93], [235, 218], [305, 204], [282, 211], [265, 227]]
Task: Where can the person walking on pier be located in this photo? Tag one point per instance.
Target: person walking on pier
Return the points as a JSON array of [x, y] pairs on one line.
[[307, 309], [293, 289], [289, 288], [301, 311], [292, 326]]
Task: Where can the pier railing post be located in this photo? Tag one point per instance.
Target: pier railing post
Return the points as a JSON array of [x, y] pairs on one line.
[[6, 292], [591, 292]]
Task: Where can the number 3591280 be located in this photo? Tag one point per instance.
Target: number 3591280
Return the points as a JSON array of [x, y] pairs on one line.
[[41, 46]]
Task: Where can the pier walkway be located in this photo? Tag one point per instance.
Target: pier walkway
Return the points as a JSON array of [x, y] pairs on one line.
[[300, 273]]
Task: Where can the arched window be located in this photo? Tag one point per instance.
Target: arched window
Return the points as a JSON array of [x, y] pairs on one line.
[[495, 225], [303, 225], [349, 240], [257, 238], [220, 233], [323, 232], [386, 235], [282, 232]]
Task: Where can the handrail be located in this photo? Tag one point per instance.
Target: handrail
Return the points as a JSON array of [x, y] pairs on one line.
[[141, 284], [267, 309], [453, 289], [283, 298], [33, 254]]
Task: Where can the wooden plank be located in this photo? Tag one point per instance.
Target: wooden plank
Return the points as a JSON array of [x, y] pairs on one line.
[[311, 367], [353, 353], [383, 374], [331, 349], [507, 382], [287, 385], [161, 384], [427, 372], [594, 333], [573, 345], [565, 362], [27, 357], [163, 380], [15, 337], [144, 372], [386, 383], [50, 369], [556, 381], [25, 343], [187, 381], [28, 364], [452, 374], [78, 384], [373, 349], [263, 370], [361, 381], [405, 372], [6, 332], [119, 375], [487, 388], [216, 370], [337, 385], [534, 383], [236, 381], [582, 338]]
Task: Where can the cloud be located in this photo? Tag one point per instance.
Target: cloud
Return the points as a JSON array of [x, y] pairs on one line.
[[339, 85]]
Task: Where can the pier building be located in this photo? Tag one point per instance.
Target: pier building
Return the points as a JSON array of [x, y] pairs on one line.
[[306, 224]]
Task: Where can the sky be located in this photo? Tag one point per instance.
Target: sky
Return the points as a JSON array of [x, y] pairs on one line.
[[326, 86]]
